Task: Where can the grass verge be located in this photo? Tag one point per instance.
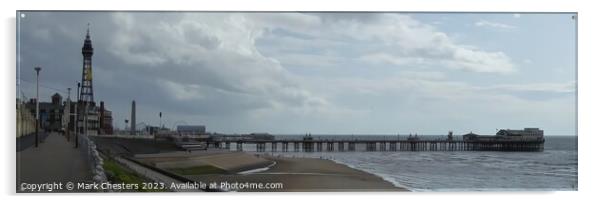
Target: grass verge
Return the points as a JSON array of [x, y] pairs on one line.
[[117, 173]]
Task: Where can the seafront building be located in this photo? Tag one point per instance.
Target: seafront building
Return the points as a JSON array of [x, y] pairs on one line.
[[190, 129], [106, 120], [51, 113], [26, 121], [58, 115], [526, 134]]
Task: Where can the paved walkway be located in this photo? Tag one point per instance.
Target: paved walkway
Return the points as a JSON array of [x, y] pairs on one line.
[[55, 160]]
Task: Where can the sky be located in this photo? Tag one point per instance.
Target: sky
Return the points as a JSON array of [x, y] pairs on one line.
[[319, 73]]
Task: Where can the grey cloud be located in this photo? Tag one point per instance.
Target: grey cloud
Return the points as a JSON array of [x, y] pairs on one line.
[[398, 36], [241, 77], [209, 66], [135, 54], [497, 25]]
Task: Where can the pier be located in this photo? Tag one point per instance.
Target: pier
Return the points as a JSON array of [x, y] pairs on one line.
[[383, 145]]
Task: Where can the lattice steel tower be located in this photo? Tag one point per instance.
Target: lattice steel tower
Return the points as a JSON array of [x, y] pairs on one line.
[[86, 93]]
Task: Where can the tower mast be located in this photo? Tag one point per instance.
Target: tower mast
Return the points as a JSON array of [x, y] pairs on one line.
[[87, 93]]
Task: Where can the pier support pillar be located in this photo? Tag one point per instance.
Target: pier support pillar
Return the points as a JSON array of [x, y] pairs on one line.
[[330, 146], [393, 146]]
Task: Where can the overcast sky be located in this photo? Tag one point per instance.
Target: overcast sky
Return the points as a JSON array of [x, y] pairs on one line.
[[324, 73]]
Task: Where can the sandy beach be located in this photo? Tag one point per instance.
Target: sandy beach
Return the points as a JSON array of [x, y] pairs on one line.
[[305, 174], [230, 162], [294, 174]]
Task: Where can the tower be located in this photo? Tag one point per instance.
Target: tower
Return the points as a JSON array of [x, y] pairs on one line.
[[133, 119], [86, 93], [87, 110]]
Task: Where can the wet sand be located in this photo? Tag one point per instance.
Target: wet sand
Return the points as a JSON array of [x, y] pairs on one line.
[[305, 174]]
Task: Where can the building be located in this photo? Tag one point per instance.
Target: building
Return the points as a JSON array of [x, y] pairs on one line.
[[526, 134], [88, 118], [152, 130], [533, 133], [190, 129], [264, 136], [55, 113], [51, 113], [25, 120], [106, 120]]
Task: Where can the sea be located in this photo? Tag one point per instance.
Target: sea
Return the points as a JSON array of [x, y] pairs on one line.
[[554, 169]]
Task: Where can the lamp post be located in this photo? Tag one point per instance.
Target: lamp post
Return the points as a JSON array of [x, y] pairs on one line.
[[76, 118], [37, 103], [68, 113]]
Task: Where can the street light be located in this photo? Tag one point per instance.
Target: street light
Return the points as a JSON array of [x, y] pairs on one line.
[[77, 119], [37, 103], [68, 114]]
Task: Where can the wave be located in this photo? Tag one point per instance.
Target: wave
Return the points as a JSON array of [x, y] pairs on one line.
[[258, 169], [387, 178]]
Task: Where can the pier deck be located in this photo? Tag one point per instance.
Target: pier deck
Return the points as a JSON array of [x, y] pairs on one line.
[[382, 145]]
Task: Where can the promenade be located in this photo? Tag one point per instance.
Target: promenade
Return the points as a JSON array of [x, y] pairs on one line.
[[55, 160]]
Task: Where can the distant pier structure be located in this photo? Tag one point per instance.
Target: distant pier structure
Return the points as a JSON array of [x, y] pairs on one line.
[[528, 139]]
